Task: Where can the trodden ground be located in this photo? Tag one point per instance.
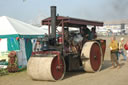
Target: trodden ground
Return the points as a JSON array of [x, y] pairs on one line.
[[106, 76]]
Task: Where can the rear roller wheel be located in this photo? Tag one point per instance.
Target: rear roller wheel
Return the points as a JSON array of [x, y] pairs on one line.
[[91, 56], [46, 68]]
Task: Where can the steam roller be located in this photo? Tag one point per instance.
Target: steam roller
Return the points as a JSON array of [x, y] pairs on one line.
[[91, 56], [66, 50], [48, 67]]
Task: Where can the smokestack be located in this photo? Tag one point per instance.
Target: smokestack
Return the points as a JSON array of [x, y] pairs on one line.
[[53, 22]]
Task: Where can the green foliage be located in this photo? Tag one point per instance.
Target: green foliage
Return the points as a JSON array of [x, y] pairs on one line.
[[12, 64], [3, 72], [22, 69]]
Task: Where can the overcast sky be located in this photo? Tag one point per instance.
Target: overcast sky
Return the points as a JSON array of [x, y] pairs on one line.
[[32, 11]]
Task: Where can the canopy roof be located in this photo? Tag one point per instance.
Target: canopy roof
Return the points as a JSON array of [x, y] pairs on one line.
[[10, 27], [72, 22]]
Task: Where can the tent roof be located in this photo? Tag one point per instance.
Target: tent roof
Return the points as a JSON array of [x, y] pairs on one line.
[[10, 27]]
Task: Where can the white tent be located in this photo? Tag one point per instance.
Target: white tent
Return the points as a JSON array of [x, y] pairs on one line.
[[10, 30], [45, 28], [10, 27]]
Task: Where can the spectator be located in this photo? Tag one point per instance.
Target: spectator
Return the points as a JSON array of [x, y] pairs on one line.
[[126, 48], [37, 46], [121, 50], [114, 50]]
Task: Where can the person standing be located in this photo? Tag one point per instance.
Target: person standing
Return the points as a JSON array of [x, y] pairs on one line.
[[126, 48], [121, 50], [114, 50]]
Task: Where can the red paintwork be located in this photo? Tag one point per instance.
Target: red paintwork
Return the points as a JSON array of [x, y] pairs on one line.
[[95, 62], [57, 70], [103, 46], [49, 52], [72, 22], [46, 52]]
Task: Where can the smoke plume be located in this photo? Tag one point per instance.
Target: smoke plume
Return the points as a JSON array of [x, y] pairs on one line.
[[106, 10], [115, 9]]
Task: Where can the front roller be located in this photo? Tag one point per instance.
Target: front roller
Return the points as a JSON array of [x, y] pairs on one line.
[[91, 56], [46, 68]]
